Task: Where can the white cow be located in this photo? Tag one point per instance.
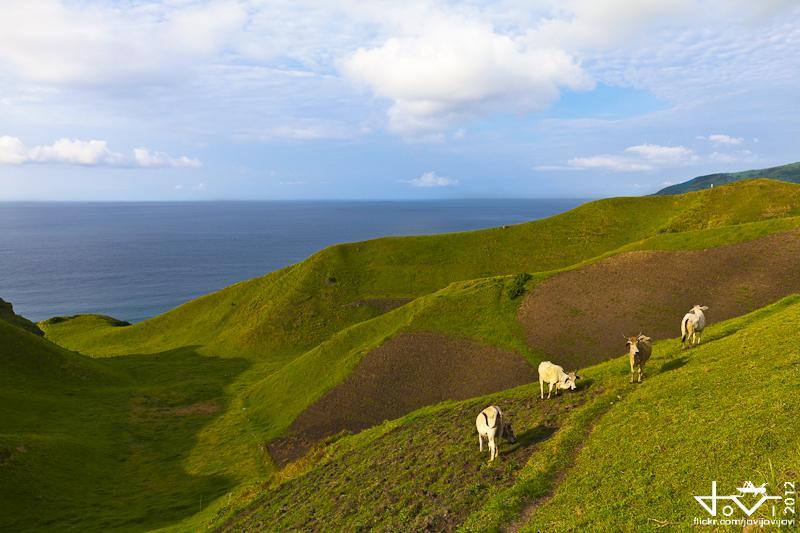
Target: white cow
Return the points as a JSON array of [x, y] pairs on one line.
[[555, 376], [692, 325], [490, 424]]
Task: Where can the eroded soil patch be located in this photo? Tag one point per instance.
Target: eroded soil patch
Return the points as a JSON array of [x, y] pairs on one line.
[[410, 371], [579, 316]]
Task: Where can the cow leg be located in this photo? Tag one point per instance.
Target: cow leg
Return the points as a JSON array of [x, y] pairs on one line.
[[492, 450], [640, 373], [549, 390], [541, 388], [480, 442], [632, 368]]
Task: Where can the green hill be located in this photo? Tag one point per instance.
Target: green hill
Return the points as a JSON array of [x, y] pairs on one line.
[[90, 444], [222, 377], [611, 456], [790, 173]]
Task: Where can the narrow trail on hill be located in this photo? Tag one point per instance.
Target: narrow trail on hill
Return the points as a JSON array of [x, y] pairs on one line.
[[581, 314], [524, 516]]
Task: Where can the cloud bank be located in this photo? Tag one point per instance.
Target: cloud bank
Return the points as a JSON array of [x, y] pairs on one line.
[[86, 153]]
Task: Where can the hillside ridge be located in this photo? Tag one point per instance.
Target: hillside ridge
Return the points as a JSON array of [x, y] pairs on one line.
[[789, 172]]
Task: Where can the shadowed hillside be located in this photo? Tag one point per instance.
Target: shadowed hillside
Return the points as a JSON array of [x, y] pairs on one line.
[[97, 445], [7, 314]]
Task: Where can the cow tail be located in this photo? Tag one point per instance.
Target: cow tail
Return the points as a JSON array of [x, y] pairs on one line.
[[684, 329]]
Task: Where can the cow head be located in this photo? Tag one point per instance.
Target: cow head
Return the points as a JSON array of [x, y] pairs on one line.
[[508, 432], [697, 308], [568, 381], [633, 343]]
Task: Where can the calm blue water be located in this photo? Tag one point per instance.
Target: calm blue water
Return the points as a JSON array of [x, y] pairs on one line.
[[136, 260]]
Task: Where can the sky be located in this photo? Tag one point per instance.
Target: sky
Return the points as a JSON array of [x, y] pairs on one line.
[[338, 99]]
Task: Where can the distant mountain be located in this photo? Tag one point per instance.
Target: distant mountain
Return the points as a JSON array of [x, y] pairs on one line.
[[790, 172]]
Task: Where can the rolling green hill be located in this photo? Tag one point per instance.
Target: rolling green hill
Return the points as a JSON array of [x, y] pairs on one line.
[[790, 173], [611, 456], [201, 391], [90, 444], [285, 313]]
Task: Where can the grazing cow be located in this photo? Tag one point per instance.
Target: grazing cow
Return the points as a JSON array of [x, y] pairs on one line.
[[490, 424], [639, 348], [555, 376], [692, 326]]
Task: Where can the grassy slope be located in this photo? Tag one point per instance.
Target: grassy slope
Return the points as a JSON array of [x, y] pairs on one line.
[[88, 444], [252, 318], [642, 446], [283, 314], [790, 172], [725, 411]]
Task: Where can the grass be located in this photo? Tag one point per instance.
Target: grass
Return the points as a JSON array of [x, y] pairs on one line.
[[607, 457], [95, 445], [725, 411], [286, 313], [288, 337]]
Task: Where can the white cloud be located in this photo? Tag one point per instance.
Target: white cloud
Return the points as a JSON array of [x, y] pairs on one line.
[[12, 151], [431, 179], [638, 158], [454, 69], [663, 154], [75, 152], [147, 158], [721, 138], [85, 153], [738, 156], [56, 42], [608, 162]]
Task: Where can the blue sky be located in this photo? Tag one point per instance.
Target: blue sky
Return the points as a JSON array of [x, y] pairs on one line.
[[283, 99]]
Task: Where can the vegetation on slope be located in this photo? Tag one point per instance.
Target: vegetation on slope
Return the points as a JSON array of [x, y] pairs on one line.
[[95, 445], [305, 328], [725, 411], [288, 312], [790, 172], [615, 452]]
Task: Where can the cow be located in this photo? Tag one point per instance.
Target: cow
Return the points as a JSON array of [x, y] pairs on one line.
[[692, 326], [639, 348], [491, 423], [555, 376]]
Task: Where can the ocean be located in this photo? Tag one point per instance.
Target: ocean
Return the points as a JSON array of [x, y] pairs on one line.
[[135, 260]]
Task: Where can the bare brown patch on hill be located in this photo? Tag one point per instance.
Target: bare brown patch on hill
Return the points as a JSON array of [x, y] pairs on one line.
[[579, 316], [410, 371]]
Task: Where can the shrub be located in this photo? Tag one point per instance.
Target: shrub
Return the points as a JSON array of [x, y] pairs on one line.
[[517, 287]]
